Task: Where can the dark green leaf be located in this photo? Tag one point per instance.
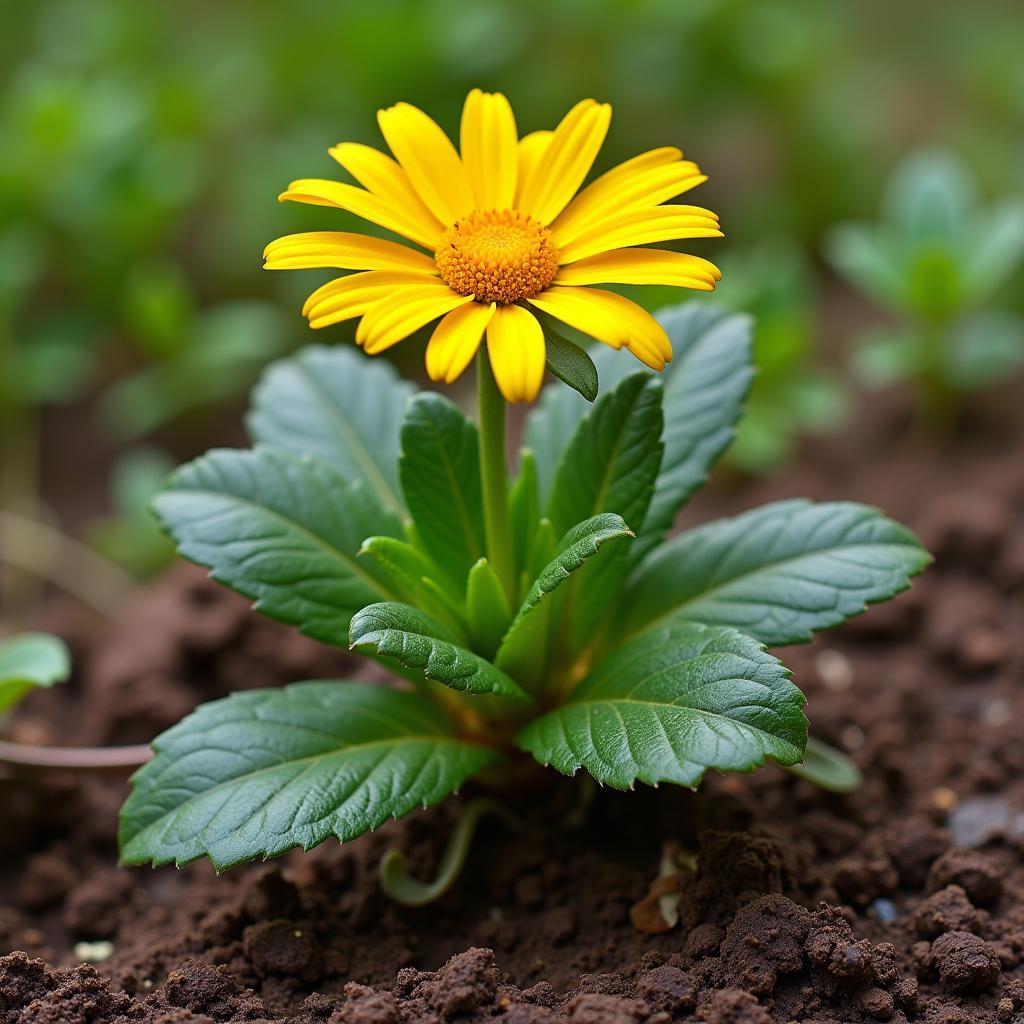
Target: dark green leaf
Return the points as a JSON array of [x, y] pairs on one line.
[[281, 529], [613, 459], [440, 472], [340, 406], [706, 385], [264, 771], [672, 704], [411, 638], [524, 650], [610, 466], [778, 573], [29, 661], [571, 364]]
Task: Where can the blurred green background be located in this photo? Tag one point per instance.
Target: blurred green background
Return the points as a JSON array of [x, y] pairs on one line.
[[142, 147]]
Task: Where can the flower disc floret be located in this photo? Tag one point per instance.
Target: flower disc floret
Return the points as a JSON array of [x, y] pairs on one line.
[[497, 256]]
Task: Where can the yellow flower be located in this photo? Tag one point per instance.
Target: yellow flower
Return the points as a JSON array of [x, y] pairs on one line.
[[495, 230]]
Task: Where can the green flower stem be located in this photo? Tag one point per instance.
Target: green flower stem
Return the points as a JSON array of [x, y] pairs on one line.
[[395, 879], [494, 477]]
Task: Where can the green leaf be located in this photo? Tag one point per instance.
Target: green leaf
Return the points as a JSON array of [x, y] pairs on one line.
[[778, 573], [440, 472], [264, 771], [339, 406], [413, 577], [672, 704], [612, 461], [487, 608], [281, 529], [827, 767], [29, 661], [706, 385], [524, 650], [610, 466], [570, 364], [414, 640]]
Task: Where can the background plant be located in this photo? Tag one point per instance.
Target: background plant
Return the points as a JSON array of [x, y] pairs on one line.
[[362, 516], [937, 260]]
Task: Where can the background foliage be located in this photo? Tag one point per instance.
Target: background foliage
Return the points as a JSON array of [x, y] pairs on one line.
[[142, 146]]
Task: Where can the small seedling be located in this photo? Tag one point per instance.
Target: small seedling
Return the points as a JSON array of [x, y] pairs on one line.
[[542, 620], [29, 661], [936, 261]]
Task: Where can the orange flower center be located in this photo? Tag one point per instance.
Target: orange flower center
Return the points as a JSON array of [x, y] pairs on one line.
[[497, 256]]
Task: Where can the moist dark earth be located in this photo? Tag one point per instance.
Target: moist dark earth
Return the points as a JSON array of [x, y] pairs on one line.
[[902, 902]]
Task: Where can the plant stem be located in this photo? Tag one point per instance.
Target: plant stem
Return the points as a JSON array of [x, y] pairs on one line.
[[27, 755], [395, 879], [494, 476]]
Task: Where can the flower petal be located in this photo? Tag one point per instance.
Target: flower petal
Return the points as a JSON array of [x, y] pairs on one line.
[[394, 317], [610, 318], [382, 176], [456, 339], [488, 143], [629, 186], [566, 161], [531, 149], [429, 158], [642, 266], [640, 227], [348, 297], [515, 343], [323, 192], [343, 250]]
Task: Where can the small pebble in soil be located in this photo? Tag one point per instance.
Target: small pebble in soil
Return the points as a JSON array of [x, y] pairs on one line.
[[834, 670], [980, 819], [93, 952], [885, 910]]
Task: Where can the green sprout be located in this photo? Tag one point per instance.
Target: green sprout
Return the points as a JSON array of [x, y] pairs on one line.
[[936, 262], [30, 661], [546, 616]]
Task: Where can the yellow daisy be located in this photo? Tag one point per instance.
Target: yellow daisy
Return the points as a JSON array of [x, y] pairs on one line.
[[497, 231]]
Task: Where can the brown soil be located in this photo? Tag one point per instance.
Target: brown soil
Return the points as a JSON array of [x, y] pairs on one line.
[[902, 902]]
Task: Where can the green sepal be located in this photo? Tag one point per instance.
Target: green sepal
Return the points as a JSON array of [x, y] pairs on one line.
[[410, 637], [571, 364], [487, 608]]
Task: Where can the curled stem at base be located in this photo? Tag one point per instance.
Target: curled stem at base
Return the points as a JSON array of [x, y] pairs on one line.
[[827, 767], [395, 879]]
